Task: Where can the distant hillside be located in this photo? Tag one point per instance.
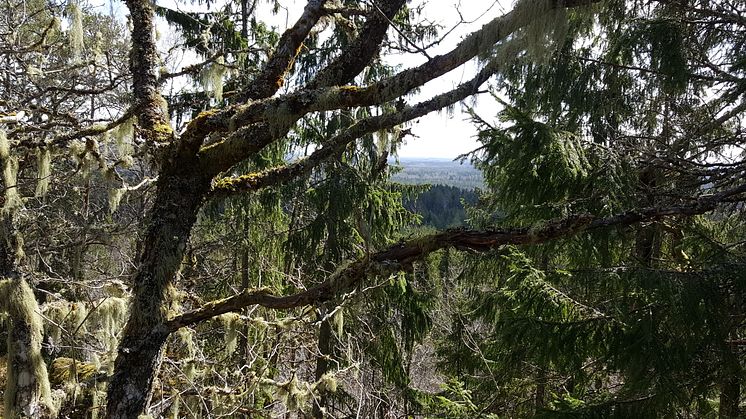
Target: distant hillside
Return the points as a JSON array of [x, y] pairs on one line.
[[441, 206], [438, 172]]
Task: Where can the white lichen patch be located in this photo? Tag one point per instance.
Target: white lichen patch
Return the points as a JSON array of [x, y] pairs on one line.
[[75, 35], [43, 171], [114, 198], [211, 78]]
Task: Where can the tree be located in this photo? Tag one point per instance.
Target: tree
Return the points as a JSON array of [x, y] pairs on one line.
[[635, 108], [225, 184]]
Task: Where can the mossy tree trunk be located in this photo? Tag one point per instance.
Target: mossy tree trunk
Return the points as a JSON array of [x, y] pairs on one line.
[[27, 389], [138, 361], [186, 171]]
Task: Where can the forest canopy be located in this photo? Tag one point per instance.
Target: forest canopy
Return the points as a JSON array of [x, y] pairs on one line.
[[203, 222]]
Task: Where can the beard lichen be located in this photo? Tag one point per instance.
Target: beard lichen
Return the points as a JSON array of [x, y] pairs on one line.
[[64, 316], [231, 323], [43, 171], [211, 78], [75, 34], [10, 173], [114, 198]]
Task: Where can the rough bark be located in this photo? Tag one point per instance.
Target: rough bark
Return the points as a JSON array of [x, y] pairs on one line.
[[359, 53], [272, 77], [27, 389], [143, 65], [282, 112], [178, 200], [323, 363], [275, 176]]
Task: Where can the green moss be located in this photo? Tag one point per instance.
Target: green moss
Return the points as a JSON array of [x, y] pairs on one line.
[[233, 184], [199, 119], [27, 371], [163, 131]]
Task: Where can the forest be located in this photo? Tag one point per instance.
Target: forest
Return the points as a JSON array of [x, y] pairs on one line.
[[199, 216]]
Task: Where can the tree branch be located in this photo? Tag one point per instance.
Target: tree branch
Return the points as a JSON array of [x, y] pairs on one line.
[[284, 111], [143, 63], [400, 255], [272, 77], [271, 177]]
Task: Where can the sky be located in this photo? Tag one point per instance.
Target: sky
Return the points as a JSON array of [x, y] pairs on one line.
[[443, 135], [440, 134]]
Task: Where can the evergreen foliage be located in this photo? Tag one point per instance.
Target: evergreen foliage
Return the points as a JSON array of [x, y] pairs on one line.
[[240, 246]]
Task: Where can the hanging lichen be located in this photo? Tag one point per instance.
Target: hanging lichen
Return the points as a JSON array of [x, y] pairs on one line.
[[107, 320], [98, 54], [339, 321], [63, 315], [76, 31], [43, 171], [175, 407], [184, 347], [293, 394], [114, 198], [98, 400], [123, 138], [10, 173], [212, 78], [328, 382], [231, 322]]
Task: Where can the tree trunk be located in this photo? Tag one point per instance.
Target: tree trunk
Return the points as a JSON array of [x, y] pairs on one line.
[[27, 390], [730, 386], [177, 203], [323, 362]]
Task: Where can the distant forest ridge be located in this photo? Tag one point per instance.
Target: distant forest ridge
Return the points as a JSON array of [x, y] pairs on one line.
[[452, 183], [435, 171]]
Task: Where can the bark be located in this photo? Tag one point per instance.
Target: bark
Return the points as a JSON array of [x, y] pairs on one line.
[[275, 176], [359, 53], [27, 390], [178, 199], [272, 77], [730, 387], [323, 362], [143, 65]]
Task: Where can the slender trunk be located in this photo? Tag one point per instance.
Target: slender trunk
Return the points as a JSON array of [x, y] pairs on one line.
[[245, 282], [323, 362], [27, 389], [245, 19], [178, 200], [730, 387], [540, 391]]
